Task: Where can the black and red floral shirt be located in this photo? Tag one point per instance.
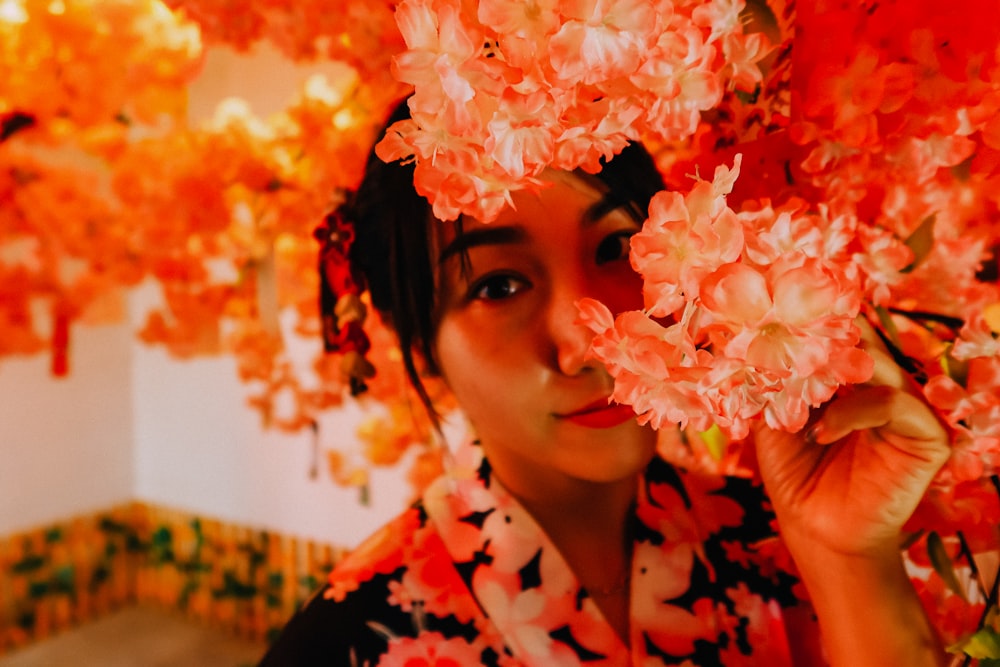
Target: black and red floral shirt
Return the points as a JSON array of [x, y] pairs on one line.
[[466, 577]]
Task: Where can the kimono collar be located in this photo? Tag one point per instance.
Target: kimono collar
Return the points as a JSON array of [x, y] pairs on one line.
[[528, 591]]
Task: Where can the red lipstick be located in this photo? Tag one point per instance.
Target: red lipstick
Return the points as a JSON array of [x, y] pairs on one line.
[[600, 414]]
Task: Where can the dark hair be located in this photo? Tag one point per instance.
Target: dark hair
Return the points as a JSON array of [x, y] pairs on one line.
[[392, 249]]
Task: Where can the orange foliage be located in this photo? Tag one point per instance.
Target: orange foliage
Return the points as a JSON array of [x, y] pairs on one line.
[[104, 185]]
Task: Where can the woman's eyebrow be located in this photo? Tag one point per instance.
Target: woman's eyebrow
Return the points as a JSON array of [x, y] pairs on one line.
[[606, 204], [505, 235]]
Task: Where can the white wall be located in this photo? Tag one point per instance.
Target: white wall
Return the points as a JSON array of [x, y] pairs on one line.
[[66, 444], [130, 422], [199, 447]]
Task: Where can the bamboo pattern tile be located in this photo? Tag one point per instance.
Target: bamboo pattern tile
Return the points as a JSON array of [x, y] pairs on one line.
[[238, 579]]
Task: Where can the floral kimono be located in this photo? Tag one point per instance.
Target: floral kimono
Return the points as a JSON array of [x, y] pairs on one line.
[[466, 577]]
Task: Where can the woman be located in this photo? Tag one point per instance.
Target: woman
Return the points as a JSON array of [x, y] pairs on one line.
[[560, 538]]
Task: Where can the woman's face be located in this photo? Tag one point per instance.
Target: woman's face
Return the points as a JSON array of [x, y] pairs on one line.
[[509, 346]]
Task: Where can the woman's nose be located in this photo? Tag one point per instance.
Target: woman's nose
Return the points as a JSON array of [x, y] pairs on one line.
[[569, 338]]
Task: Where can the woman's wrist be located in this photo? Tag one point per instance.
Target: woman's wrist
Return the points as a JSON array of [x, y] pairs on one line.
[[868, 610]]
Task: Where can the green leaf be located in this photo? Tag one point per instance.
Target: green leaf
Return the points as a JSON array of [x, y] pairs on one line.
[[920, 242], [27, 620], [942, 564], [193, 567], [64, 579], [984, 644], [185, 597], [28, 564], [888, 326], [162, 537], [109, 525], [257, 557], [748, 97], [715, 441], [956, 369], [101, 574], [234, 588], [199, 534]]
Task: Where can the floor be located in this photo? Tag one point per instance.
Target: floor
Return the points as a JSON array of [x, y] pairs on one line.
[[138, 637]]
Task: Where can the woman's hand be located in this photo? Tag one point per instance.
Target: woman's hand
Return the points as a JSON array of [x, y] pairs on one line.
[[842, 491], [852, 478]]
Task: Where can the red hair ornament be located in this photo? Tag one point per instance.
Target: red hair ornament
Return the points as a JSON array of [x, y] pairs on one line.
[[341, 308]]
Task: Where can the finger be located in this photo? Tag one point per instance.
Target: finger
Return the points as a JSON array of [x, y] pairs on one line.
[[869, 337], [887, 372], [880, 408]]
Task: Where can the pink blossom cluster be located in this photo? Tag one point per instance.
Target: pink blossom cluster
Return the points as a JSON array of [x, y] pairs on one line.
[[747, 315], [506, 88], [901, 125], [886, 131], [971, 407]]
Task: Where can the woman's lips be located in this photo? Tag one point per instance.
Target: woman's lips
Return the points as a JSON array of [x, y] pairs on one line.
[[600, 414]]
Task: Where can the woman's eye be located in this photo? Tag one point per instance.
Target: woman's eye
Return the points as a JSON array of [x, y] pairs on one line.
[[614, 247], [494, 288]]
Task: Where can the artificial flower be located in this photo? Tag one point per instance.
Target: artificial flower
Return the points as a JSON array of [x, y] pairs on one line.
[[603, 72]]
